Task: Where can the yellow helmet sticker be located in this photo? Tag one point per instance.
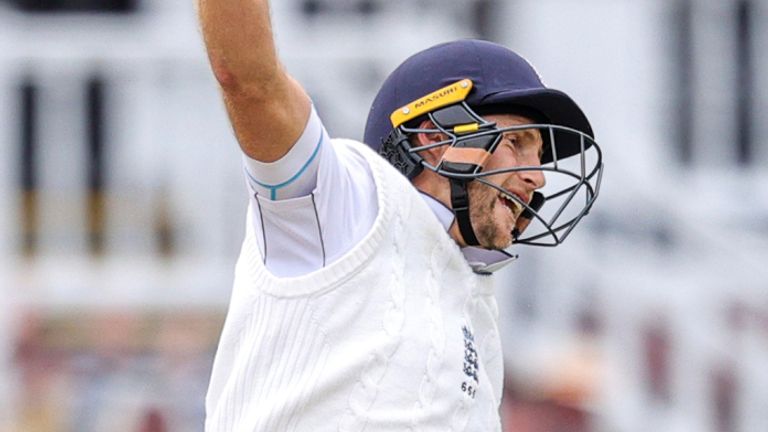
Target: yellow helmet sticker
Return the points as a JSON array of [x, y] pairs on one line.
[[448, 95]]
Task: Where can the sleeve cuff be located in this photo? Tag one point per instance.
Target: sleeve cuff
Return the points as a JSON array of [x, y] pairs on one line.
[[295, 174]]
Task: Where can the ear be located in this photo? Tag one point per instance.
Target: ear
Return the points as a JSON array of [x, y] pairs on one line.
[[435, 154]]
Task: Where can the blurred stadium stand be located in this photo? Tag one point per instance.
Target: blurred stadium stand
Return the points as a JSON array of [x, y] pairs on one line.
[[124, 204]]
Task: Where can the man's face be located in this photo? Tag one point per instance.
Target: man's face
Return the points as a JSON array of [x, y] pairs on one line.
[[494, 216]]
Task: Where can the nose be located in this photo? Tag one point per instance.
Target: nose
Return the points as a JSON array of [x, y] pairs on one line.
[[534, 178]]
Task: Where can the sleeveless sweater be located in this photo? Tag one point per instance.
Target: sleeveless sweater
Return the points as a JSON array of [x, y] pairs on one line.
[[397, 335]]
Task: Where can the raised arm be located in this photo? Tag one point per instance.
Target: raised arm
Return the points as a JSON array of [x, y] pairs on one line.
[[267, 107]]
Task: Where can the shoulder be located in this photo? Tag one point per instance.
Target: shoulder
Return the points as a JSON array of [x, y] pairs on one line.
[[355, 153], [365, 168], [393, 188], [355, 150]]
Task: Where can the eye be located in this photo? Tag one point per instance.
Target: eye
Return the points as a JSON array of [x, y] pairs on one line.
[[508, 140], [511, 142]]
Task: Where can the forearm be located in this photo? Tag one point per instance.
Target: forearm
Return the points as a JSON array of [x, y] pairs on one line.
[[238, 37], [267, 108]]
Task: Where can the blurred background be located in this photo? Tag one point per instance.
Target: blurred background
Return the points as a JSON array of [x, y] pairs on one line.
[[123, 206]]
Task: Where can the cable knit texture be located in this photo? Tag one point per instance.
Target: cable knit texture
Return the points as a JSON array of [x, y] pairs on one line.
[[398, 334]]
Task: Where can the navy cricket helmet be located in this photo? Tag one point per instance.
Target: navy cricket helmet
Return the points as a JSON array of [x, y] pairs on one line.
[[454, 85]]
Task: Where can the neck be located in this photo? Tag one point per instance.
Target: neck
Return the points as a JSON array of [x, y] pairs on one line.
[[438, 187]]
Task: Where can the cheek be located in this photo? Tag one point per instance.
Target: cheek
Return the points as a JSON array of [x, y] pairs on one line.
[[503, 157], [480, 198], [498, 163], [490, 202]]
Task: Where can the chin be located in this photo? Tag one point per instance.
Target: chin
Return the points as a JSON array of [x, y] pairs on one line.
[[499, 241], [504, 244], [494, 234], [492, 223]]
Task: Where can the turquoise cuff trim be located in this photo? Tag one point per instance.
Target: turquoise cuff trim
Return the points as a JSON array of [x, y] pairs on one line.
[[273, 188]]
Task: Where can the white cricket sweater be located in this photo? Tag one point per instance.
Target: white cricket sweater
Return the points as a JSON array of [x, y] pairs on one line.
[[398, 334]]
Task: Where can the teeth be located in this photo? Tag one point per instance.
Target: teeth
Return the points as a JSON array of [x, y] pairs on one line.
[[518, 208]]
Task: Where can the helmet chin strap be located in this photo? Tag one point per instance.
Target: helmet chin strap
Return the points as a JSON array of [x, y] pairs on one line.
[[460, 205]]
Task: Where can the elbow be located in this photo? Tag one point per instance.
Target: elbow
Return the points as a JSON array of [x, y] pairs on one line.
[[255, 87], [224, 75]]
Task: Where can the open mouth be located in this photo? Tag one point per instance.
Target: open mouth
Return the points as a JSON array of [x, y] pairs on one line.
[[513, 206]]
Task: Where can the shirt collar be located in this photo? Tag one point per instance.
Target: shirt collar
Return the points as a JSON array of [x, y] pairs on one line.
[[482, 261]]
